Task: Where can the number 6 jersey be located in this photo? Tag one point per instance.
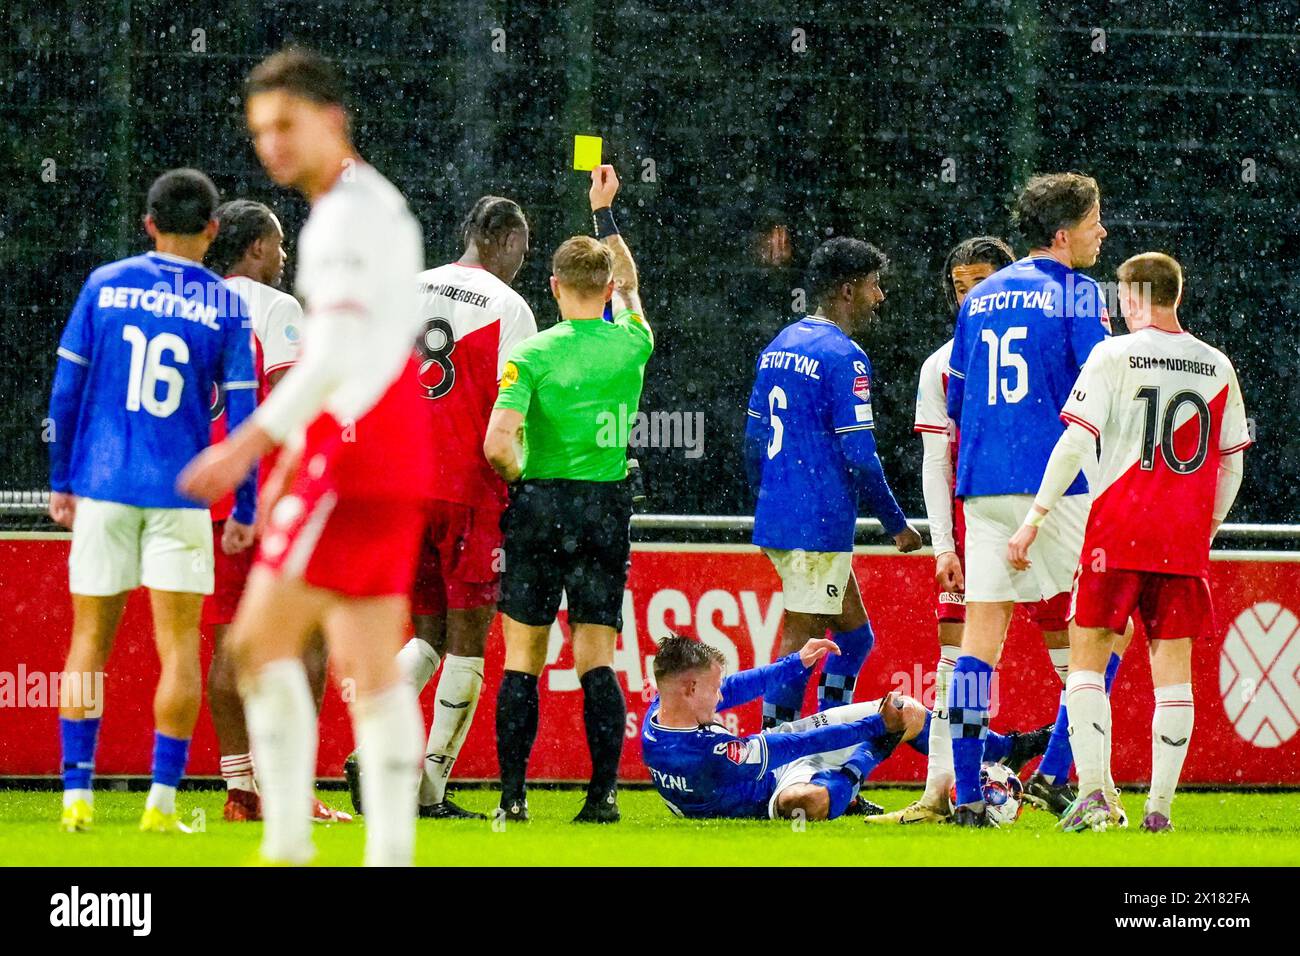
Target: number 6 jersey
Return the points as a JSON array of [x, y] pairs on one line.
[[1166, 407]]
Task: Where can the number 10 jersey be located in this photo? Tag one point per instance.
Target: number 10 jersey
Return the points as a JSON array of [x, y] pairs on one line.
[[1166, 407]]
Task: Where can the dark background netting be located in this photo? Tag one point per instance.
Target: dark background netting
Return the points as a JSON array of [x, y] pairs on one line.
[[750, 141]]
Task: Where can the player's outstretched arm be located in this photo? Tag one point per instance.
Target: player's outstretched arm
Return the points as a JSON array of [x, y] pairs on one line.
[[627, 283], [1064, 465], [748, 685]]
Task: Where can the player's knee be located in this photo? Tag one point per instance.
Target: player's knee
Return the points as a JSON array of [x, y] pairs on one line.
[[804, 802]]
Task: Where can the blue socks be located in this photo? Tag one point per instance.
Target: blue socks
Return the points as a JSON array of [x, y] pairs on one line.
[[840, 671], [968, 718], [1056, 761], [170, 755], [842, 785], [783, 700], [78, 737], [1057, 757]]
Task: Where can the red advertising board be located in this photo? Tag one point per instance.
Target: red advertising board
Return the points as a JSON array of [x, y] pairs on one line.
[[1246, 681]]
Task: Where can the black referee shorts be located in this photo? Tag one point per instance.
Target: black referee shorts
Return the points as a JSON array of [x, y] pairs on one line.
[[566, 537]]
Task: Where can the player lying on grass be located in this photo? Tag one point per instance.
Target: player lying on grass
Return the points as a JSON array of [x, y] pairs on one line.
[[1168, 411], [811, 768]]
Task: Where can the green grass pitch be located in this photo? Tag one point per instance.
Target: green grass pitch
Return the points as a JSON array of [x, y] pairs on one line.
[[1214, 829]]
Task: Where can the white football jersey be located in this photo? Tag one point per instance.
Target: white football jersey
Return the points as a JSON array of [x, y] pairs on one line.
[[1165, 407], [356, 256], [932, 393], [277, 325]]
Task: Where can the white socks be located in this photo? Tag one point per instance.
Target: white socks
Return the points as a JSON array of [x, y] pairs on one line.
[[1089, 711], [1171, 730], [939, 775], [282, 729], [237, 771], [72, 796], [418, 662], [1060, 661], [162, 798], [455, 701], [387, 726]]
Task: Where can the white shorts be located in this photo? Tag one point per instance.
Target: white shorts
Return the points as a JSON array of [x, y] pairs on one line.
[[804, 769], [812, 582], [118, 547], [991, 520]]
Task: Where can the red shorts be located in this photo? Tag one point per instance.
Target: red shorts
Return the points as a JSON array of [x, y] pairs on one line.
[[460, 560], [1170, 606], [950, 606], [358, 547], [231, 574]]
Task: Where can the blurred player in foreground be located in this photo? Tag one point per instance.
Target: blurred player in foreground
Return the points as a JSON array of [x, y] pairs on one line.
[[571, 393], [1169, 413], [340, 548], [809, 454], [148, 340], [1020, 338], [811, 768], [473, 319], [249, 253]]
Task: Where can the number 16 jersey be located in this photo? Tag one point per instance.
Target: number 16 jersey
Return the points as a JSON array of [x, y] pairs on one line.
[[471, 322], [1166, 407]]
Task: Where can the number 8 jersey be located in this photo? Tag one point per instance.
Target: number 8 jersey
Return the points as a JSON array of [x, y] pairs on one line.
[[471, 323], [146, 342], [1022, 335], [1166, 407]]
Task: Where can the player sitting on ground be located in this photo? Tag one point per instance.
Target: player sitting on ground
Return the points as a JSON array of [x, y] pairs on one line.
[[812, 767], [1168, 411]]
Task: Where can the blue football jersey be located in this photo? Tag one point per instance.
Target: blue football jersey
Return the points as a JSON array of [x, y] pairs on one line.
[[1022, 335], [707, 771], [147, 341], [811, 409]]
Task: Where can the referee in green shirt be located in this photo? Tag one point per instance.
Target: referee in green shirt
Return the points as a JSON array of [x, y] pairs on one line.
[[559, 432]]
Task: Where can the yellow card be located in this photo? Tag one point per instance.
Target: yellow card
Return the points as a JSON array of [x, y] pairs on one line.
[[586, 152]]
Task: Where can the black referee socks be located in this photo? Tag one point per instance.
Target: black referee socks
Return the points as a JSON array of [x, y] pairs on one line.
[[516, 731], [604, 711]]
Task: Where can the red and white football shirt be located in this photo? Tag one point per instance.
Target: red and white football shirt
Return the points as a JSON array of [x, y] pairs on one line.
[[364, 438], [471, 322], [1166, 407], [276, 320]]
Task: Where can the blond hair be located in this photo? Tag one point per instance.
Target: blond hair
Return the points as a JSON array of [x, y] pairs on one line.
[[1158, 275], [583, 264]]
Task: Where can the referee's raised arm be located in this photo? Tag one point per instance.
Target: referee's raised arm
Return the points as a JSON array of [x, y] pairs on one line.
[[627, 295]]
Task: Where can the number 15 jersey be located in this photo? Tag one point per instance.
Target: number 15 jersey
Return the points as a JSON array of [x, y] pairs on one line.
[[1166, 407], [1022, 335], [471, 322]]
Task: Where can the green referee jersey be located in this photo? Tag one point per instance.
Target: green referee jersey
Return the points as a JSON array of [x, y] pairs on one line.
[[578, 386]]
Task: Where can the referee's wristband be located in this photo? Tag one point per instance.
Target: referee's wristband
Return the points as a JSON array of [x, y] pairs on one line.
[[602, 221]]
